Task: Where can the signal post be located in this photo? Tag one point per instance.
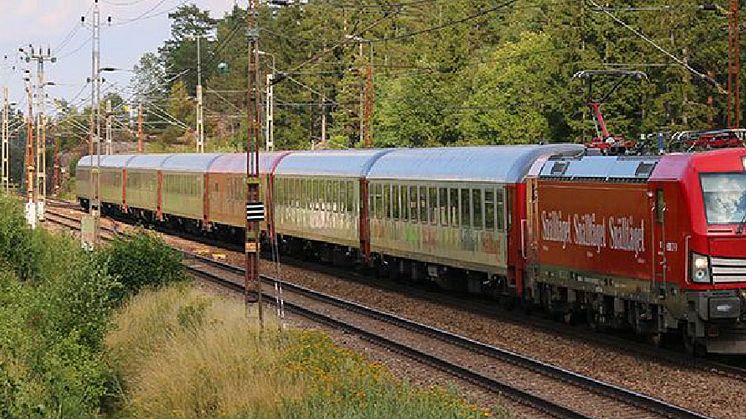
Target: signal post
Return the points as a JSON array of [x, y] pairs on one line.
[[254, 208]]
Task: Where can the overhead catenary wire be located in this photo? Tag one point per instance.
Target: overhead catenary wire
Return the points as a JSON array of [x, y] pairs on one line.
[[655, 45]]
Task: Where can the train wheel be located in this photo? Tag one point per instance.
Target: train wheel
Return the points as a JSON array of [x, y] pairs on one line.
[[592, 317], [691, 345]]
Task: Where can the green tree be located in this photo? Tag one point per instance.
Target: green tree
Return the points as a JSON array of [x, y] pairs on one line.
[[511, 91]]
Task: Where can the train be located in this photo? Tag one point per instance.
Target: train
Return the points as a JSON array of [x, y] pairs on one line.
[[651, 244]]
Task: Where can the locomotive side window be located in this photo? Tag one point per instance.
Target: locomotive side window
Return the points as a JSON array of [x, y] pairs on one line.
[[465, 208], [489, 209], [453, 207]]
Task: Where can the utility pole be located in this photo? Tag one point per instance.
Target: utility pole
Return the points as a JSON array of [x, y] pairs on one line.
[[56, 166], [734, 69], [90, 224], [362, 98], [109, 145], [6, 140], [323, 120], [200, 102], [30, 163], [368, 110], [40, 180], [254, 208], [366, 93], [269, 110], [140, 133]]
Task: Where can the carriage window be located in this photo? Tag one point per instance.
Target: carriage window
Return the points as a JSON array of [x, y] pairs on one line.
[[297, 193], [465, 208], [423, 204], [453, 207], [333, 195], [387, 201], [351, 197], [433, 213], [476, 200], [506, 210], [500, 209], [489, 209], [379, 201], [316, 196], [395, 201], [405, 203], [278, 192], [321, 194], [443, 206], [343, 198], [413, 214]]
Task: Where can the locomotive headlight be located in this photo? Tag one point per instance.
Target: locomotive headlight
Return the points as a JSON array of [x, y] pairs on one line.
[[700, 269]]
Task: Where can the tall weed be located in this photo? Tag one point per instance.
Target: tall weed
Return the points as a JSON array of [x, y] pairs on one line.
[[185, 354]]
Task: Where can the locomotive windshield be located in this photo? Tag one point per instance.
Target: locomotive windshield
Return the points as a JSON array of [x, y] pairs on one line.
[[725, 197]]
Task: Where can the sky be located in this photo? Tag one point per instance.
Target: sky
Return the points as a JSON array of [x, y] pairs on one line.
[[138, 26]]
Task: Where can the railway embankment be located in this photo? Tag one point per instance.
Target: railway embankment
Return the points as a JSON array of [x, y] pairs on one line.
[[119, 332]]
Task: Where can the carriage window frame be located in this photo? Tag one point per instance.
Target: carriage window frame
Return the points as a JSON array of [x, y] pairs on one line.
[[477, 210], [432, 205], [465, 207], [395, 202], [351, 205], [443, 206], [500, 208], [422, 204], [404, 199], [453, 206], [412, 206], [489, 210]]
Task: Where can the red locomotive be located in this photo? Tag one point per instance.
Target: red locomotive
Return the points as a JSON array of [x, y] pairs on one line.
[[656, 244], [653, 244]]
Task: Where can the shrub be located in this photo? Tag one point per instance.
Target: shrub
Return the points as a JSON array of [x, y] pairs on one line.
[[141, 260], [17, 248]]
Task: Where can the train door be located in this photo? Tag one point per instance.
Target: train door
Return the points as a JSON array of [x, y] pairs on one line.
[[657, 199], [532, 217]]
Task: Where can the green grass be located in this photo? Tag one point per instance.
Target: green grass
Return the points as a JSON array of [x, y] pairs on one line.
[[184, 353]]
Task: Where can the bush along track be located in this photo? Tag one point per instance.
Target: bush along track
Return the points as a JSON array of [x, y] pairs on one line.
[[56, 302], [119, 333]]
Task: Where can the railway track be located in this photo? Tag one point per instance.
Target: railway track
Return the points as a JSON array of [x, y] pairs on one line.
[[547, 388]]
